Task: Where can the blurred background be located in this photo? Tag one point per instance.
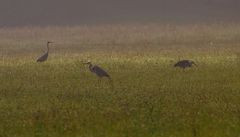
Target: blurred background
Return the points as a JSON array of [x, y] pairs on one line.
[[78, 12]]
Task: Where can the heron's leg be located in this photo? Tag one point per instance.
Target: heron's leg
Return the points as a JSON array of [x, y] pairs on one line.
[[99, 81], [111, 84], [183, 69]]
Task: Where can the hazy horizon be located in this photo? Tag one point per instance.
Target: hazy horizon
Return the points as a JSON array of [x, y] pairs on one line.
[[74, 12]]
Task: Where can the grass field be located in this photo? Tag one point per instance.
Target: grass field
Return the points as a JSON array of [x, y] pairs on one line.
[[150, 98]]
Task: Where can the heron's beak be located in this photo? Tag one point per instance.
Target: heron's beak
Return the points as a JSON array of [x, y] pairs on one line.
[[195, 64], [86, 62]]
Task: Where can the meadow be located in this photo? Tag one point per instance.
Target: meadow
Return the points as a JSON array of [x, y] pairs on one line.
[[149, 97]]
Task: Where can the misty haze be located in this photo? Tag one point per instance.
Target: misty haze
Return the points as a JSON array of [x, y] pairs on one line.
[[73, 12], [115, 68]]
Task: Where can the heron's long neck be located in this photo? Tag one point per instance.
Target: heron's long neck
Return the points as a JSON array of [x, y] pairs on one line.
[[47, 48], [90, 67]]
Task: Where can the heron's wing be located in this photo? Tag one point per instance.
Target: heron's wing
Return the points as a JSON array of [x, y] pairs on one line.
[[43, 57], [182, 62], [99, 71]]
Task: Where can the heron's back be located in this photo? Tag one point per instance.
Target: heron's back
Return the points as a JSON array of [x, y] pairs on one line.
[[100, 72], [183, 64]]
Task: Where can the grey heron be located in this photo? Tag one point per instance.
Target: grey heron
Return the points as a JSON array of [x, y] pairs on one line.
[[97, 70], [185, 63], [44, 57]]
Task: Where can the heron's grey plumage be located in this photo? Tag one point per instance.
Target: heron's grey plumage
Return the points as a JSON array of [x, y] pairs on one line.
[[44, 57], [184, 64], [98, 71]]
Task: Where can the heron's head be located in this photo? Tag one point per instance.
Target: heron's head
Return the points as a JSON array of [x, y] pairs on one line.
[[88, 63], [49, 42]]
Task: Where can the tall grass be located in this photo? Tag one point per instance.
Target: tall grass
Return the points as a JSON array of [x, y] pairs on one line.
[[150, 98]]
